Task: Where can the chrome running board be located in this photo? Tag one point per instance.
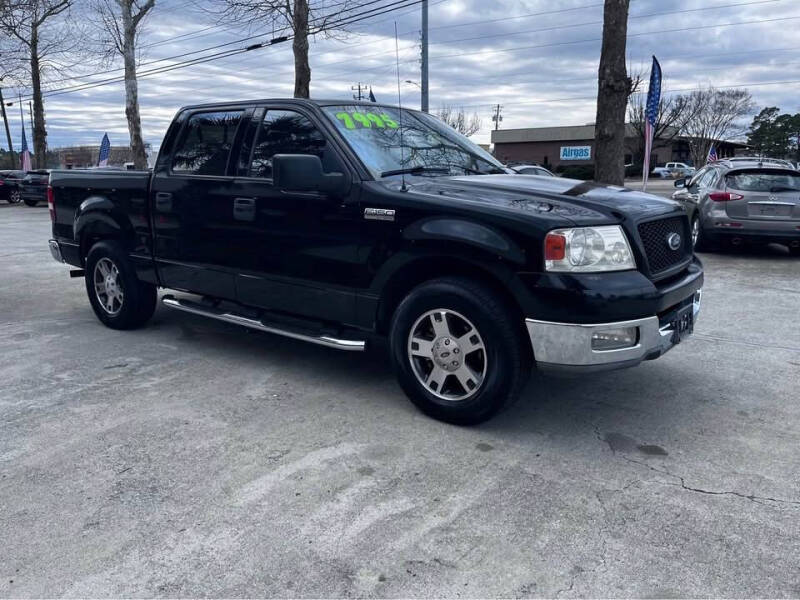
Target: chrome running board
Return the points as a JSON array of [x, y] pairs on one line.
[[229, 317]]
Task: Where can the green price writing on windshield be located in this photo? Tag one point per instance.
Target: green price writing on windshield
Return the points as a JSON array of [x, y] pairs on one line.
[[366, 120]]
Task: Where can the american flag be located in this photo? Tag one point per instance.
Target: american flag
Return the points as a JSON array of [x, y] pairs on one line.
[[25, 153], [105, 151], [712, 155], [650, 117]]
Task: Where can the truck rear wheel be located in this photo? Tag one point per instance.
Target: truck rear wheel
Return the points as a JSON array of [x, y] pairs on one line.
[[117, 296], [30, 202], [458, 351]]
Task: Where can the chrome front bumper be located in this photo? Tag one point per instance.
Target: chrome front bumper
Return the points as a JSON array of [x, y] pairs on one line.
[[568, 346]]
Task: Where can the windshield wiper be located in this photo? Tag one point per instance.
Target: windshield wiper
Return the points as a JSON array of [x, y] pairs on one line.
[[474, 171], [783, 188], [415, 171]]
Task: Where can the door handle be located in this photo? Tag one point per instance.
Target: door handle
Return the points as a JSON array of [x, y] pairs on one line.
[[164, 201], [244, 209]]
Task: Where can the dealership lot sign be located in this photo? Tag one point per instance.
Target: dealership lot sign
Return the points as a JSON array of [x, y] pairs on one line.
[[576, 153]]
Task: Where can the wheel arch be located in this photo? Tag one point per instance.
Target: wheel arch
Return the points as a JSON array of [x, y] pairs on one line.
[[98, 219], [420, 269]]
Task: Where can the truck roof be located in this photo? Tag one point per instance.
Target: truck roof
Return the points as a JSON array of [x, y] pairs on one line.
[[298, 101]]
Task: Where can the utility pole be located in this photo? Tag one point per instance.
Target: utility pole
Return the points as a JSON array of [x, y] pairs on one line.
[[424, 94], [361, 89], [8, 131], [497, 117]]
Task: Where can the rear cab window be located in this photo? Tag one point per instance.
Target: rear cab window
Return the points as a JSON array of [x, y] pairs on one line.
[[206, 142]]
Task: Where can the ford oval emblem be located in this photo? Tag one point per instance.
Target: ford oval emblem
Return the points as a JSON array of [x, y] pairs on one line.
[[674, 241]]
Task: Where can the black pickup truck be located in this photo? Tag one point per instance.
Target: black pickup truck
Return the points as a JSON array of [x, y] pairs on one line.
[[331, 222]]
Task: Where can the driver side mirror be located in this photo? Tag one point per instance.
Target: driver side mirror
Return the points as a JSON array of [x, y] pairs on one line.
[[303, 173], [681, 183]]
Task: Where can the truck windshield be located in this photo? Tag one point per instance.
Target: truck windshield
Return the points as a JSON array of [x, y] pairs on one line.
[[427, 147]]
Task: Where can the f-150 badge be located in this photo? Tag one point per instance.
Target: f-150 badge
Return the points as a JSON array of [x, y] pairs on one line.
[[379, 214]]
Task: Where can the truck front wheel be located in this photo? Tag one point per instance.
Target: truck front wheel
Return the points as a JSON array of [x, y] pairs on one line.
[[117, 296], [458, 350]]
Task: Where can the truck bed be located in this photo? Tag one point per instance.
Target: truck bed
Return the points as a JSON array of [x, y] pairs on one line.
[[122, 192]]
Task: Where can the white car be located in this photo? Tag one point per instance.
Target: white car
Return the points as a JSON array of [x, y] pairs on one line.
[[532, 170], [674, 170]]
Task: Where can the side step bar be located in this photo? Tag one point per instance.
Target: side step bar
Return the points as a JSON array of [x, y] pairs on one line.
[[229, 317]]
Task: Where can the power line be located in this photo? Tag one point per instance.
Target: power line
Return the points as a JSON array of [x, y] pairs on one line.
[[222, 45], [397, 4]]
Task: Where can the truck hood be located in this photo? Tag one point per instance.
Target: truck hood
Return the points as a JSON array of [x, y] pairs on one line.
[[580, 202]]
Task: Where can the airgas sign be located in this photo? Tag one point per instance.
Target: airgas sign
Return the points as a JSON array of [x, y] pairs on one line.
[[576, 153]]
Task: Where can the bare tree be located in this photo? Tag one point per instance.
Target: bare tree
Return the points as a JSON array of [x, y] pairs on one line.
[[673, 114], [121, 23], [458, 120], [613, 88], [36, 30], [301, 17], [715, 115]]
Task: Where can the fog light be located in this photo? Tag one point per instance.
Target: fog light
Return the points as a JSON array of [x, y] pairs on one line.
[[615, 339]]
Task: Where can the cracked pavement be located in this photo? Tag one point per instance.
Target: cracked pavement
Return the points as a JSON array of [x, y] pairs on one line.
[[193, 458]]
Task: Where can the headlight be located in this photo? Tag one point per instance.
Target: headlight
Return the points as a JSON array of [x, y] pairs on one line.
[[588, 249]]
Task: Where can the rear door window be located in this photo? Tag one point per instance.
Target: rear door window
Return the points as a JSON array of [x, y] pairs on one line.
[[764, 181], [206, 143]]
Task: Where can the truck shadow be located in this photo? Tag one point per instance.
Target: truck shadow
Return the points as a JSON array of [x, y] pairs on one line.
[[582, 407]]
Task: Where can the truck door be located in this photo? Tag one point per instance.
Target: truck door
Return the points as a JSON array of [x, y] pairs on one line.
[[301, 248], [196, 242]]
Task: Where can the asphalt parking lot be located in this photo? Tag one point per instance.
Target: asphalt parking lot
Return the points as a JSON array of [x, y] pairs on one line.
[[193, 458]]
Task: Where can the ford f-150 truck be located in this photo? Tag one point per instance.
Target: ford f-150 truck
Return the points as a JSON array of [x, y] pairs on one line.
[[339, 222]]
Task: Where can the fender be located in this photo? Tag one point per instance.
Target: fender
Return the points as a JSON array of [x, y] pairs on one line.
[[99, 215], [467, 232]]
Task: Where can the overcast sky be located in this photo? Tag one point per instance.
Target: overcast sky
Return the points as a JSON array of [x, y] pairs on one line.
[[537, 58]]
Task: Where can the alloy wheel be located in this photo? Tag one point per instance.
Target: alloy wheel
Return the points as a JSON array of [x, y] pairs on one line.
[[108, 286], [447, 354]]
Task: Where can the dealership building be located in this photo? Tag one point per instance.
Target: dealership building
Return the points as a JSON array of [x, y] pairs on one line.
[[575, 145]]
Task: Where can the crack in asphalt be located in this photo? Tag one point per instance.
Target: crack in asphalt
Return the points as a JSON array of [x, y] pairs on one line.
[[752, 497]]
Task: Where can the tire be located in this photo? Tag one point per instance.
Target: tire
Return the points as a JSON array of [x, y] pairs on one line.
[[120, 300], [700, 242], [494, 370], [29, 202], [794, 250], [14, 197]]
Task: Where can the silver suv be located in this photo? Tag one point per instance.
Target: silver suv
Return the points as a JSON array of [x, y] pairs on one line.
[[742, 201]]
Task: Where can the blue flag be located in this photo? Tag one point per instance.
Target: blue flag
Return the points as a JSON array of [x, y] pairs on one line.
[[105, 151], [371, 95], [650, 117]]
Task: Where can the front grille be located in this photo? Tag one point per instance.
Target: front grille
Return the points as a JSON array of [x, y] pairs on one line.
[[654, 234]]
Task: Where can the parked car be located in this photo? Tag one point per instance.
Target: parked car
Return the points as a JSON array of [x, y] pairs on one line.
[[532, 170], [34, 187], [740, 201], [674, 169], [319, 221], [10, 184]]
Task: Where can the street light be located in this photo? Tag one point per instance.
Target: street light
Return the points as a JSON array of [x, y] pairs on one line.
[[413, 83]]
